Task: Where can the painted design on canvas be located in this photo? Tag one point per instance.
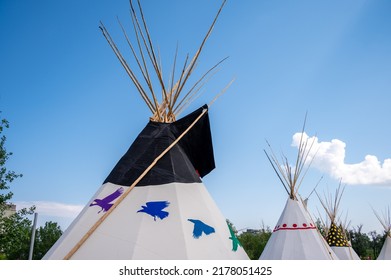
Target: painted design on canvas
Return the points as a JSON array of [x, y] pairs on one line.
[[106, 202], [200, 228], [235, 240], [155, 209]]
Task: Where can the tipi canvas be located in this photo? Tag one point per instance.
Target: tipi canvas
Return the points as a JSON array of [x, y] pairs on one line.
[[153, 204], [295, 237], [385, 252]]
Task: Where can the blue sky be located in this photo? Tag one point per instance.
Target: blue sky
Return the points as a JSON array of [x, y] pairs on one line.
[[73, 111]]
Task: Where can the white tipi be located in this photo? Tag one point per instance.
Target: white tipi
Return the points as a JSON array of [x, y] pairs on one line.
[[336, 235], [385, 253], [153, 204], [295, 237]]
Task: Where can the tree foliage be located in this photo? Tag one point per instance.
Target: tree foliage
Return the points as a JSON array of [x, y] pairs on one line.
[[15, 235], [15, 242], [6, 176], [45, 238], [321, 228], [16, 229], [376, 243], [360, 242], [254, 242]]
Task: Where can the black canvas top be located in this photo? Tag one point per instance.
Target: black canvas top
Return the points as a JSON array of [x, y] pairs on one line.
[[191, 158]]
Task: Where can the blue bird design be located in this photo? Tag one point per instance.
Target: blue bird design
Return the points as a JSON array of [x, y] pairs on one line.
[[155, 209], [105, 203], [200, 227]]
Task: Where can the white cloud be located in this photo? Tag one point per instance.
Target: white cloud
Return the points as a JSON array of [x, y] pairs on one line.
[[54, 209], [330, 158], [49, 211]]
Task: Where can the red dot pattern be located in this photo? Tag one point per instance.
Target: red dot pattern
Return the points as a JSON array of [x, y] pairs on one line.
[[294, 226]]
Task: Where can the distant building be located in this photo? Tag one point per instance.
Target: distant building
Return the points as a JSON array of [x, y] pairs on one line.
[[9, 210], [253, 231]]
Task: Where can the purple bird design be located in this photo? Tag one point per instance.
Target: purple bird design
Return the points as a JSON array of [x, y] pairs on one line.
[[106, 202]]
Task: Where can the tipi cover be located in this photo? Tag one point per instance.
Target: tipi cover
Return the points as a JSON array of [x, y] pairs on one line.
[[295, 237], [168, 215], [385, 253]]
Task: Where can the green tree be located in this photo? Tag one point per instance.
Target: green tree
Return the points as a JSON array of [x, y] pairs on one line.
[[360, 242], [321, 227], [254, 241], [15, 230], [6, 176], [45, 237], [376, 243], [15, 235]]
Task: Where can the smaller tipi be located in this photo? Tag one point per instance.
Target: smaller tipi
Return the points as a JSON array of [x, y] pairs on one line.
[[336, 235], [295, 237], [385, 253]]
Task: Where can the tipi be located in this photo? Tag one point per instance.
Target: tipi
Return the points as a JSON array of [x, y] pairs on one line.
[[295, 237], [336, 235], [153, 204], [385, 253]]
